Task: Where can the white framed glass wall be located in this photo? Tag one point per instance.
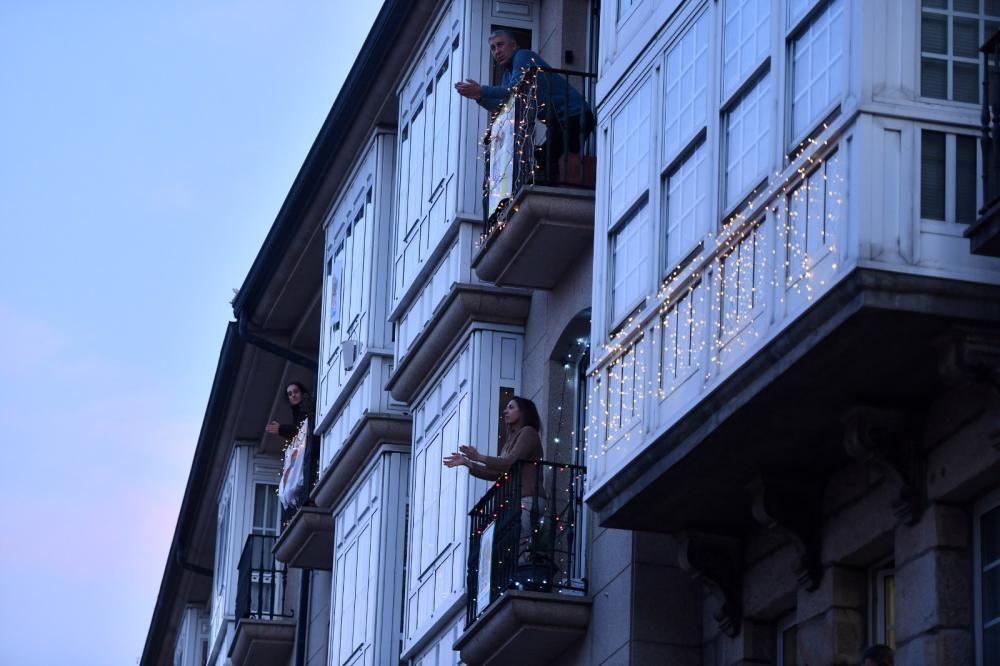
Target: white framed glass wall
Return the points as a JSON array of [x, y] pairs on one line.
[[369, 526], [460, 404], [730, 89], [356, 293]]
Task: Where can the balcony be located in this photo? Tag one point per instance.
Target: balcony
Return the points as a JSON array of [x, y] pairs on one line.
[[985, 233], [538, 192], [306, 540], [527, 598], [814, 327], [265, 630]]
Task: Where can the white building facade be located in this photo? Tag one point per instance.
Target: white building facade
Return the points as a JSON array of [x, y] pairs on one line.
[[764, 354]]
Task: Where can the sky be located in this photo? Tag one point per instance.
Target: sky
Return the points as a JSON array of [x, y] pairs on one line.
[[145, 149]]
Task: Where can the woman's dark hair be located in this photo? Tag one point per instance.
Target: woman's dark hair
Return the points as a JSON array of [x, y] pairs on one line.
[[306, 406], [302, 389], [529, 413]]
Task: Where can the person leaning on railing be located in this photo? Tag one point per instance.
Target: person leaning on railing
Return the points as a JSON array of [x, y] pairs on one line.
[[564, 111], [301, 405]]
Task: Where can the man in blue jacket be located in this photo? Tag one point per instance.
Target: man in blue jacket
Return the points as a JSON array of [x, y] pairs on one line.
[[561, 107]]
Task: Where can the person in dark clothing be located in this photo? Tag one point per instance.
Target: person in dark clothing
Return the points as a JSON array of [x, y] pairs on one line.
[[299, 401], [303, 444], [560, 107]]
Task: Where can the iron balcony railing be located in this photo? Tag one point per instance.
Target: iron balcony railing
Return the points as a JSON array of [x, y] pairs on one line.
[[991, 122], [260, 584], [542, 135], [526, 535]]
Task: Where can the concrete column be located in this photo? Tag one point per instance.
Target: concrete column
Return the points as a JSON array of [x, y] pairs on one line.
[[831, 619], [934, 588]]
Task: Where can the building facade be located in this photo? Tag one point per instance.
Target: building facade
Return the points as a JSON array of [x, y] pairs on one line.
[[738, 283]]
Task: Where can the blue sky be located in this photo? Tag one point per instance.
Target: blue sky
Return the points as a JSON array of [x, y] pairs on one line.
[[145, 149]]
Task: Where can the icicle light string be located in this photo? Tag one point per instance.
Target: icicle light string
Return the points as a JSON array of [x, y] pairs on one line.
[[742, 268]]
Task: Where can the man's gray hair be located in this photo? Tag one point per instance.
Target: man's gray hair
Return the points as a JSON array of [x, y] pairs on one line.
[[502, 32]]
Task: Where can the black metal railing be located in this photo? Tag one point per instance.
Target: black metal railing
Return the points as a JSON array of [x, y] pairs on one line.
[[260, 583], [525, 534], [545, 137], [991, 122]]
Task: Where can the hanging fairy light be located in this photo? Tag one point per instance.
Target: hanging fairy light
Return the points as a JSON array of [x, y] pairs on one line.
[[712, 301]]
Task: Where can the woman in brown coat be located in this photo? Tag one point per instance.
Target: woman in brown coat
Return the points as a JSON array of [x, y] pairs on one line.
[[523, 443]]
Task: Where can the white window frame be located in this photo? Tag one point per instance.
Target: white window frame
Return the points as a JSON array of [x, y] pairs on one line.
[[732, 199], [802, 27], [680, 145], [950, 175], [640, 211], [988, 503], [699, 214], [731, 88], [950, 14], [877, 575]]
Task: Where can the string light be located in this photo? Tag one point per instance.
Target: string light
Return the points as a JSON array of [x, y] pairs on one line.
[[712, 302]]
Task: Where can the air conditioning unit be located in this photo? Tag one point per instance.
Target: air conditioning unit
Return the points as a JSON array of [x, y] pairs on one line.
[[349, 353]]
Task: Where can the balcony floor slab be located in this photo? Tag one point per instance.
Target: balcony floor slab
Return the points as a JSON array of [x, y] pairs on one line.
[[873, 340], [262, 642], [307, 541], [547, 230], [525, 628]]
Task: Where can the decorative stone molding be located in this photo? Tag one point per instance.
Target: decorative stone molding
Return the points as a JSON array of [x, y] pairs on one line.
[[970, 354], [886, 437], [716, 560], [795, 508]]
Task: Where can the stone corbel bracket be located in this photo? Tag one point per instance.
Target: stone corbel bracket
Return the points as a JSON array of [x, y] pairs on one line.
[[795, 508], [717, 561], [887, 438], [973, 355]]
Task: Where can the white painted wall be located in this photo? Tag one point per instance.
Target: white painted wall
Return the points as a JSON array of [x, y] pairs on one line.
[[784, 226]]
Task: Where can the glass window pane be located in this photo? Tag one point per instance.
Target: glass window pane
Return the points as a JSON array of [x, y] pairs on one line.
[[965, 37], [818, 68], [992, 8], [970, 6], [934, 34], [686, 100], [748, 139], [630, 143], [936, 4], [965, 179], [747, 38], [932, 175], [934, 78], [629, 261], [688, 209], [965, 79]]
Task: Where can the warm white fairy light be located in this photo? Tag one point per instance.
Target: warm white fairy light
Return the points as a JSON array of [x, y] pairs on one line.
[[714, 299]]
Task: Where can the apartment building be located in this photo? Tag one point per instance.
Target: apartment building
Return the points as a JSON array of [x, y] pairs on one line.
[[752, 287]]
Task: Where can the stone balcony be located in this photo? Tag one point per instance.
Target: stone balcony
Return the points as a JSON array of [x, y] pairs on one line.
[[808, 331], [547, 229]]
